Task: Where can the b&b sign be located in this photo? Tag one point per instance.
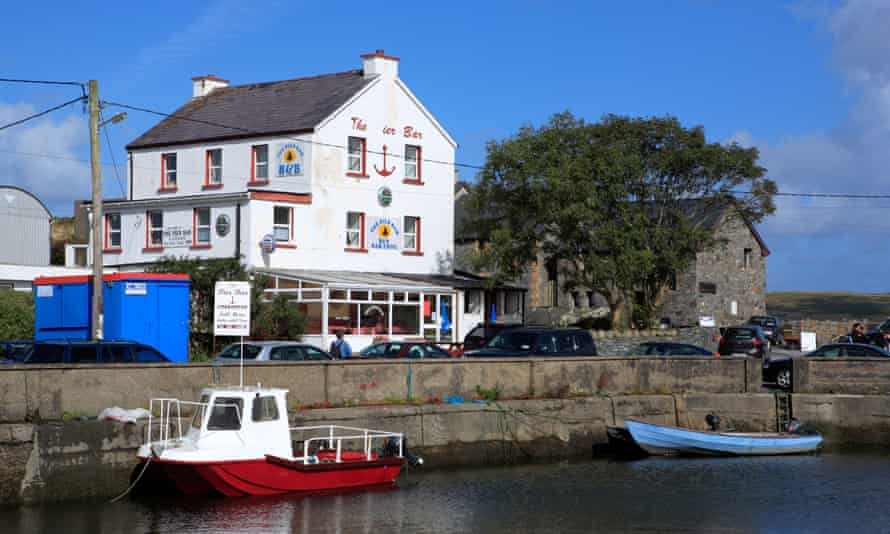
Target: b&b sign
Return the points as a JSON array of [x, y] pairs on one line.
[[231, 309]]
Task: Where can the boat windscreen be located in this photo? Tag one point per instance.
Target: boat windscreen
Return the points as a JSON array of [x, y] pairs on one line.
[[226, 414], [198, 418]]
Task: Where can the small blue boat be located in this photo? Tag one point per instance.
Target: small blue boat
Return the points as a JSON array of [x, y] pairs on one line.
[[669, 440]]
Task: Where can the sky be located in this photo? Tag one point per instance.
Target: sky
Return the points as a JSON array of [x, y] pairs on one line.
[[807, 82]]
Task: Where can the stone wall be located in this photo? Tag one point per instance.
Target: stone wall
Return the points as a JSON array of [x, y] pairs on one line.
[[841, 376], [49, 392], [618, 343]]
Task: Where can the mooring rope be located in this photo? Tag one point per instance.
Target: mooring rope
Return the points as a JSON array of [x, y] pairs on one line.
[[133, 485]]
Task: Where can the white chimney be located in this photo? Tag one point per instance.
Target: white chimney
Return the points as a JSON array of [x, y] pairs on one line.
[[205, 84], [379, 63]]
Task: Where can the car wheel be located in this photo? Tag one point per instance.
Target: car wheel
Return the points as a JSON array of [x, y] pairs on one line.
[[783, 378]]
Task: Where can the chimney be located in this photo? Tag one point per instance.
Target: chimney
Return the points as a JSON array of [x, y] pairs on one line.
[[379, 63], [205, 84]]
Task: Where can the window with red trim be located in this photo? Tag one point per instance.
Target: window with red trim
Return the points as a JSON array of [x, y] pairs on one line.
[[112, 231], [168, 172], [154, 229], [411, 235], [412, 165], [355, 231], [356, 156], [201, 228], [283, 224], [213, 171], [259, 164]]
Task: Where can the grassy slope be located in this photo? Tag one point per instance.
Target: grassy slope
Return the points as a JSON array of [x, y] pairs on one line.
[[828, 305]]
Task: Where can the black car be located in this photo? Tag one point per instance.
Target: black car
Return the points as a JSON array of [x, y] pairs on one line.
[[778, 369], [771, 327], [82, 351], [748, 340], [531, 341], [664, 348], [482, 333]]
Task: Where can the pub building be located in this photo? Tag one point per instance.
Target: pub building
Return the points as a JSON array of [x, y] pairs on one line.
[[339, 187]]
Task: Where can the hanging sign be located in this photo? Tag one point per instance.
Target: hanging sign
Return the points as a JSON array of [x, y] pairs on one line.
[[268, 243], [231, 309], [289, 159], [383, 234]]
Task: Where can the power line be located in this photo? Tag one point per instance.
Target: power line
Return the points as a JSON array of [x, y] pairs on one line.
[[861, 196], [255, 132], [114, 163], [42, 113], [46, 82]]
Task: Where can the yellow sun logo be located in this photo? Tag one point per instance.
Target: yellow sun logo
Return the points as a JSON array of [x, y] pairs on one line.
[[290, 155], [384, 231]]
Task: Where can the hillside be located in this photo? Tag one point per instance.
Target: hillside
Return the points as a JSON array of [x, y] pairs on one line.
[[790, 305]]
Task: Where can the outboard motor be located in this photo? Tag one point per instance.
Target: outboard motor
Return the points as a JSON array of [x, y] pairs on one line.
[[391, 448], [713, 421], [794, 426]]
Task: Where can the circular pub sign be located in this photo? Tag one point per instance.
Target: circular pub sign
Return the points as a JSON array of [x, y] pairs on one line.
[[384, 196], [223, 225], [268, 243]]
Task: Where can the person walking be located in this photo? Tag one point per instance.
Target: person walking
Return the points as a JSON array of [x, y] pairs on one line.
[[340, 348]]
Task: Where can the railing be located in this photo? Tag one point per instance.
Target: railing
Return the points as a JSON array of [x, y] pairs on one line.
[[335, 442], [171, 407]]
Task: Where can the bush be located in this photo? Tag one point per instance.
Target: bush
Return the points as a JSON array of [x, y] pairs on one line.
[[278, 319], [16, 315]]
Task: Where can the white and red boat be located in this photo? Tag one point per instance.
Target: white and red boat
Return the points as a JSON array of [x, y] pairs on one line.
[[239, 442]]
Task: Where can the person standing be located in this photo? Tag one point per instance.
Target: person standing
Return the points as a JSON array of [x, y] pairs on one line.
[[857, 335], [340, 347]]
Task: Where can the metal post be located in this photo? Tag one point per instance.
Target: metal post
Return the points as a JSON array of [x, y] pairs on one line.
[[98, 221]]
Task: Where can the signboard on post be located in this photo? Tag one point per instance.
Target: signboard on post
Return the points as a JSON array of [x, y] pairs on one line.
[[231, 309]]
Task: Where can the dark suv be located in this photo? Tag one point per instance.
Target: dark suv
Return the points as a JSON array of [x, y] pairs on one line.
[[771, 327], [82, 351], [530, 341], [748, 340], [482, 333]]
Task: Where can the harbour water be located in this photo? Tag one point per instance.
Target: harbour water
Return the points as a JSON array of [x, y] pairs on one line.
[[848, 492]]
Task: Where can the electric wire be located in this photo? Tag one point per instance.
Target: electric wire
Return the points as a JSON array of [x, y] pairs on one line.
[[117, 175], [46, 82], [40, 114]]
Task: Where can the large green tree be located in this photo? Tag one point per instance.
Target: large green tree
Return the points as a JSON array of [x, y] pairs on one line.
[[610, 200]]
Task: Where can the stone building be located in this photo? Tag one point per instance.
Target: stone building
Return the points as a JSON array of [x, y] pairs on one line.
[[725, 284]]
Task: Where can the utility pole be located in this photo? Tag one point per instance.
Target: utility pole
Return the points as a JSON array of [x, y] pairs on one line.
[[98, 221]]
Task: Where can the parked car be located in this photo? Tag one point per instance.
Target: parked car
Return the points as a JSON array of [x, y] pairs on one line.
[[266, 351], [84, 351], [14, 350], [482, 333], [771, 327], [404, 349], [748, 340], [663, 348], [779, 370], [535, 341]]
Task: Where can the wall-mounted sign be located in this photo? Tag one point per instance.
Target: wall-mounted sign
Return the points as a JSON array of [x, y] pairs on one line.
[[384, 196], [177, 236], [289, 159], [384, 234], [135, 288], [268, 243], [223, 225]]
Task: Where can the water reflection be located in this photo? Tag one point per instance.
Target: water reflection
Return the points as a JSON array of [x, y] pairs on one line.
[[828, 493]]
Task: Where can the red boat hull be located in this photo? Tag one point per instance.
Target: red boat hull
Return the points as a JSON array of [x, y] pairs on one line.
[[272, 475]]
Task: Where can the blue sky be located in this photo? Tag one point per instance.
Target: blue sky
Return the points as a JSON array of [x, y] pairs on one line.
[[807, 82]]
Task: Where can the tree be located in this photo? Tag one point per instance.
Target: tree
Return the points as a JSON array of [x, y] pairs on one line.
[[279, 319], [610, 201], [16, 315]]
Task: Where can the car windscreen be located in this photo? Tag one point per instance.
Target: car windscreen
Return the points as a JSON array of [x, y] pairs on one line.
[[234, 351], [523, 341], [433, 351], [740, 334]]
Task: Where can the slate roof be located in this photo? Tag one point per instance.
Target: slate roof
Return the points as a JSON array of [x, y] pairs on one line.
[[270, 108]]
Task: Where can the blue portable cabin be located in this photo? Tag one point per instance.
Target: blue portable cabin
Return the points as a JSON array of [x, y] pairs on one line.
[[150, 308]]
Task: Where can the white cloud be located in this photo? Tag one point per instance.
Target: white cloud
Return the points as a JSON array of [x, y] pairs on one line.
[[41, 156]]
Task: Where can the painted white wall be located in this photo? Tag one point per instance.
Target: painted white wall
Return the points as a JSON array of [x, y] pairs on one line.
[[236, 157]]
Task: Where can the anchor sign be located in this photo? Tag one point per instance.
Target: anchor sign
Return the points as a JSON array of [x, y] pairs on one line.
[[385, 172]]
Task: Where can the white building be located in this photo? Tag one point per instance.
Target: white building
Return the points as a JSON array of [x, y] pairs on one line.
[[339, 186]]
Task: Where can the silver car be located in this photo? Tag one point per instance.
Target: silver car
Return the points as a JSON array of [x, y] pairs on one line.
[[272, 351]]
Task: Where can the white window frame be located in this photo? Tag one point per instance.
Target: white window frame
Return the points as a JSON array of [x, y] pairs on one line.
[[111, 231], [214, 172], [413, 234], [260, 165], [151, 229], [289, 227], [412, 164], [169, 177], [358, 156], [357, 231], [198, 227]]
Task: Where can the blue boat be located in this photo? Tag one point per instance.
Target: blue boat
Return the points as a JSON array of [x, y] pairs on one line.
[[669, 440]]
